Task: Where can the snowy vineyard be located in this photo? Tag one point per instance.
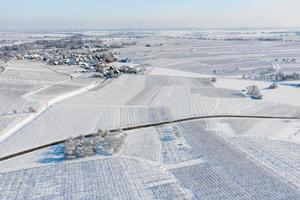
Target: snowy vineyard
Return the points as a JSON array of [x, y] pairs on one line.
[[180, 161], [144, 100]]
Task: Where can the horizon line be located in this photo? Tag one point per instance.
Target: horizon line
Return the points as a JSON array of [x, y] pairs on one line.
[[143, 29]]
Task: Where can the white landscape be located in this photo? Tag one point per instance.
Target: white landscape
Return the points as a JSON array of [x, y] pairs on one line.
[[181, 126], [149, 100]]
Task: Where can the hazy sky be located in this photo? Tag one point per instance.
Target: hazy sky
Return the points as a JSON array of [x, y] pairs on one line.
[[144, 14]]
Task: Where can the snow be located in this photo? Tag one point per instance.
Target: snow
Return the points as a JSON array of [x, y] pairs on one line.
[[143, 143], [175, 148], [7, 133], [283, 94], [176, 73], [283, 130], [279, 156], [145, 99], [211, 168], [272, 143], [227, 172], [110, 178], [199, 159], [50, 155]]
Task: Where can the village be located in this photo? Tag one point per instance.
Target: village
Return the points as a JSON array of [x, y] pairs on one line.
[[93, 55]]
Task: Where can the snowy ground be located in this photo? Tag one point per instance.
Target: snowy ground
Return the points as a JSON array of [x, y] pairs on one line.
[[25, 85], [143, 99], [180, 161], [224, 158], [284, 94]]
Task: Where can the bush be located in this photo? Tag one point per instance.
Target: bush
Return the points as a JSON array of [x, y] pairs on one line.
[[254, 92], [213, 79], [32, 110], [100, 143], [273, 86]]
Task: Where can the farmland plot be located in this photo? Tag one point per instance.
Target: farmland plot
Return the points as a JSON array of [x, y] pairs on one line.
[[26, 65], [65, 69], [206, 182], [145, 97], [57, 123], [241, 126], [174, 147], [117, 92], [11, 93], [193, 67], [280, 129], [259, 127], [125, 116], [229, 164], [175, 73], [5, 121], [273, 109], [111, 178], [50, 155], [164, 95], [182, 104], [19, 86], [216, 92], [179, 102], [32, 76], [200, 105], [144, 143], [53, 91], [57, 89], [11, 100], [280, 156], [154, 80], [234, 106], [63, 121]]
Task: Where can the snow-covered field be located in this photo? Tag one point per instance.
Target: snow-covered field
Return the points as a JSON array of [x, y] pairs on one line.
[[30, 86], [135, 100], [110, 178], [183, 161], [284, 94], [223, 158]]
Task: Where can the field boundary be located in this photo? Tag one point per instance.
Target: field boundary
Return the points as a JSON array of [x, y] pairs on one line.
[[151, 125]]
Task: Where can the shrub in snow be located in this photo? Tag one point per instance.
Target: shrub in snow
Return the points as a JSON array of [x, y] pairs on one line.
[[32, 110], [101, 143], [77, 147], [102, 133], [273, 86], [213, 79], [251, 89], [254, 92], [69, 149], [257, 96]]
